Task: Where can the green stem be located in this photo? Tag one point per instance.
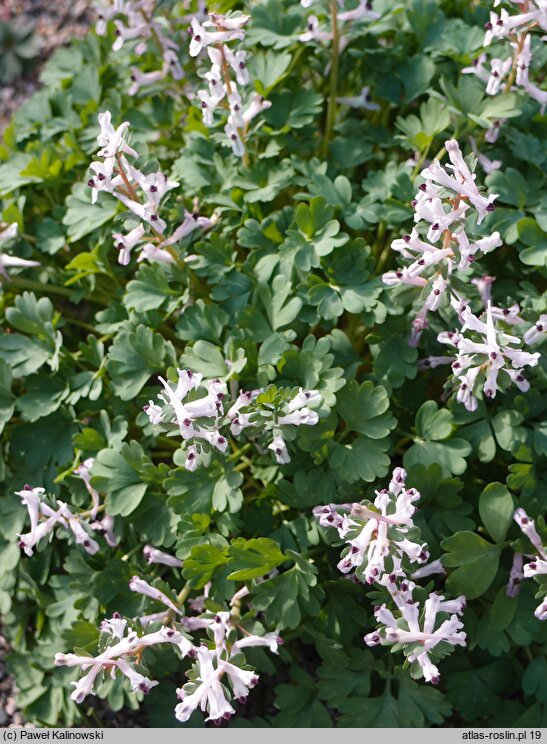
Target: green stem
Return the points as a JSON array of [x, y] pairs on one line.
[[335, 59], [21, 283]]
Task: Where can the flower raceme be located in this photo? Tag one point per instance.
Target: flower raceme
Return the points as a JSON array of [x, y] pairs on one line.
[[44, 519], [538, 565], [194, 408], [135, 22], [381, 540], [142, 194], [481, 358], [218, 657], [512, 39], [228, 71], [420, 639], [379, 535], [432, 262]]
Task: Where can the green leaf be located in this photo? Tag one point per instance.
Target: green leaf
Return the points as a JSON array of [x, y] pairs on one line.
[[82, 217], [207, 359], [202, 563], [432, 423], [280, 310], [134, 357], [476, 562], [202, 322], [6, 397], [286, 598], [496, 509], [502, 610], [365, 409], [227, 495], [364, 459], [149, 290], [125, 476], [449, 453], [293, 110], [268, 68], [250, 559]]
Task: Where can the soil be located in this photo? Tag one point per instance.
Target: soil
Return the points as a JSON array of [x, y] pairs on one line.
[[56, 23]]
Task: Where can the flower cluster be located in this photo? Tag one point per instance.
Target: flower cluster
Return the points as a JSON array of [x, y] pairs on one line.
[[430, 263], [44, 519], [538, 565], [218, 656], [480, 359], [378, 534], [7, 233], [228, 71], [419, 639], [194, 408], [142, 194], [136, 21], [381, 538], [510, 43]]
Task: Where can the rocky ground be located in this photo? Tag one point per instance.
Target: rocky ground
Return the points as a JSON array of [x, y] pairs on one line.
[[55, 23]]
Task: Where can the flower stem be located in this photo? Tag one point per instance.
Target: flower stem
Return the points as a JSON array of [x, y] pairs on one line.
[[335, 59]]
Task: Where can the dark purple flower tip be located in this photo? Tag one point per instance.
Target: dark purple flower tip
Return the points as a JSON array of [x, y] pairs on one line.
[[404, 586], [491, 208], [143, 687], [154, 217], [187, 422], [532, 565], [91, 183], [170, 633], [242, 700], [435, 226], [489, 393], [153, 189], [422, 187], [406, 238], [354, 549], [488, 26], [434, 680], [493, 355], [520, 378], [539, 327], [218, 619], [463, 386], [227, 716], [117, 616], [413, 203], [376, 638], [398, 274]]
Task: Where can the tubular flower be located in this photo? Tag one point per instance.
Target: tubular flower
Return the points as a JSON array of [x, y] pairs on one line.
[[379, 534]]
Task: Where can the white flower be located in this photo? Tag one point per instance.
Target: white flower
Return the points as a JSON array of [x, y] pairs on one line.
[[279, 448], [236, 60], [153, 555], [500, 68], [528, 527], [83, 471], [313, 32], [202, 38], [363, 10], [140, 79], [462, 183], [537, 332], [234, 139], [142, 587], [112, 140], [209, 694], [418, 641], [125, 243]]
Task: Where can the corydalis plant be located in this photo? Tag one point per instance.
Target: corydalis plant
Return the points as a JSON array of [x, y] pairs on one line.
[[423, 636], [537, 568], [219, 655], [381, 543], [379, 534], [511, 38], [195, 409], [227, 76], [142, 194], [137, 21]]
